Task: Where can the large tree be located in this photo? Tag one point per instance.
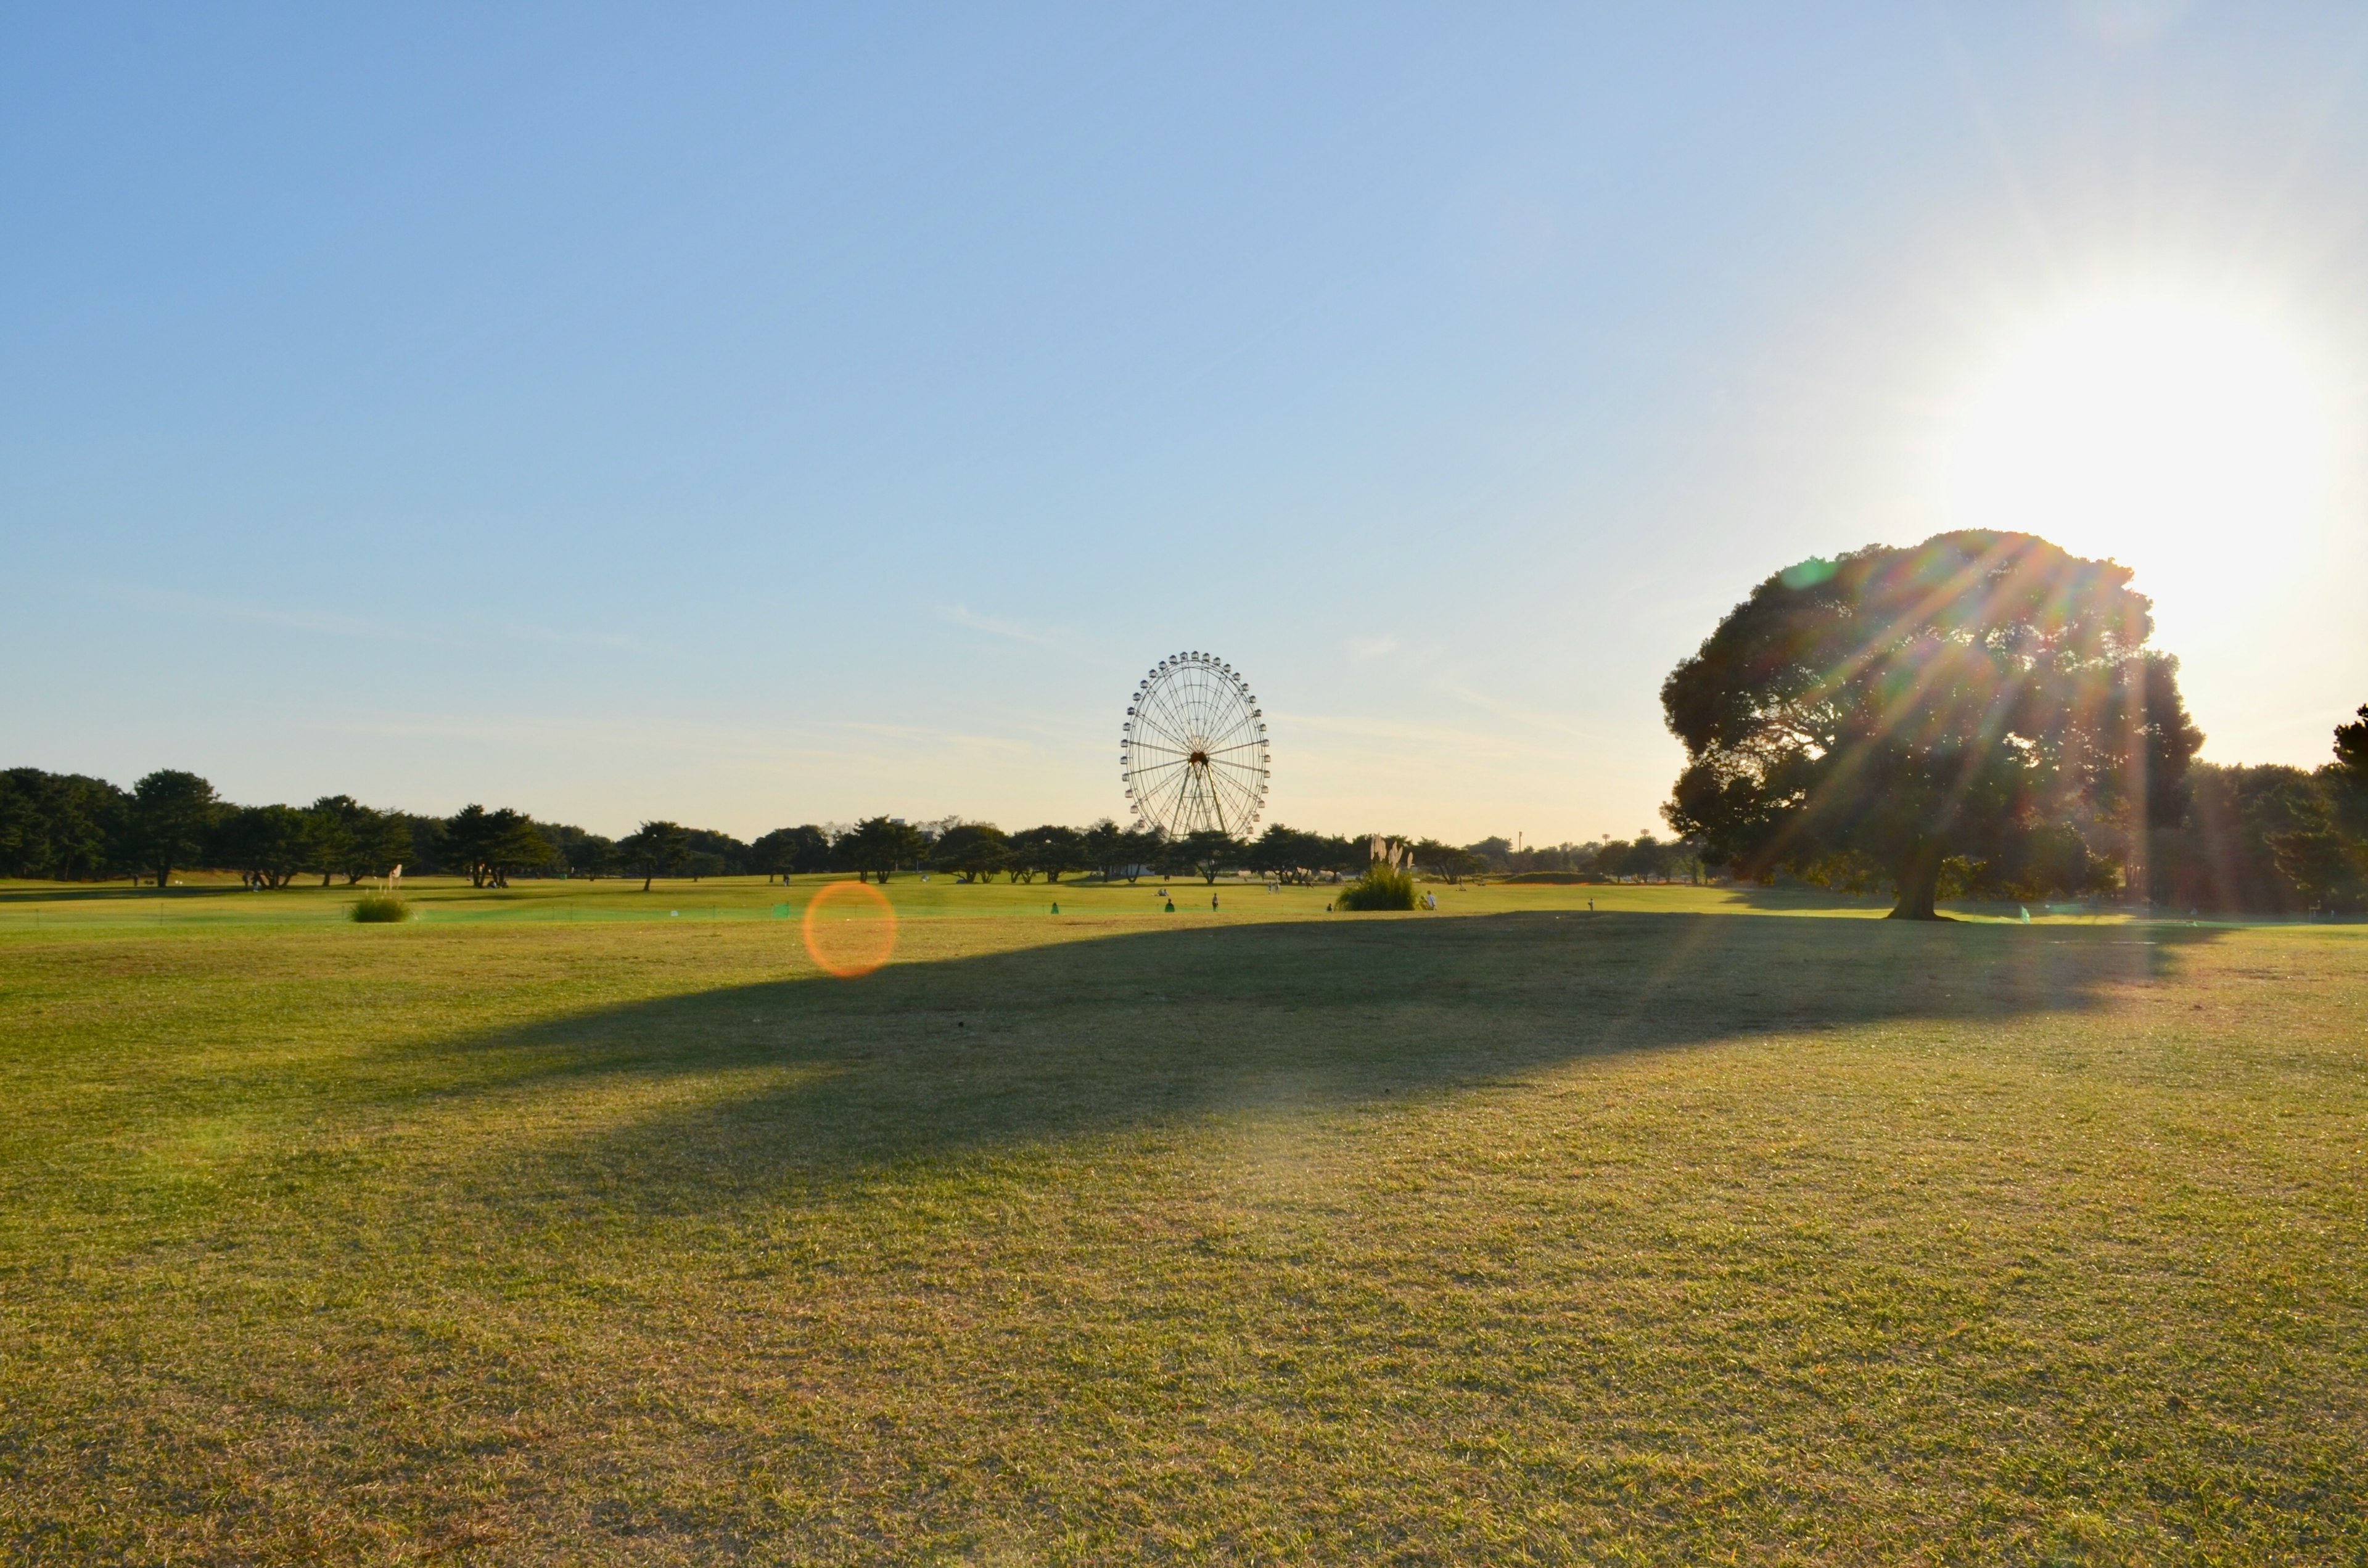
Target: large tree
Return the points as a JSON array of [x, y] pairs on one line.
[[1928, 705], [170, 821]]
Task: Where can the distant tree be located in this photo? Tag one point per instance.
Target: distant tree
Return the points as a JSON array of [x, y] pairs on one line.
[[577, 853], [1447, 861], [1140, 849], [60, 825], [1495, 854], [2224, 855], [513, 845], [1049, 851], [876, 847], [2347, 776], [2351, 749], [653, 849], [1103, 844], [341, 835], [2320, 849], [590, 855], [972, 850], [383, 843], [469, 841], [791, 851], [1646, 859], [730, 857], [268, 844], [171, 818], [1292, 856], [1928, 704], [423, 850], [1207, 852]]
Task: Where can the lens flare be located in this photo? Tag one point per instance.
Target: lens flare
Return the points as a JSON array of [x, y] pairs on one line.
[[850, 929]]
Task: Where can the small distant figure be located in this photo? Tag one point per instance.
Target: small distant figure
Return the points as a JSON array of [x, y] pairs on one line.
[[2026, 913], [1590, 906], [1430, 901], [1328, 909], [1171, 906], [1212, 900], [1056, 909]]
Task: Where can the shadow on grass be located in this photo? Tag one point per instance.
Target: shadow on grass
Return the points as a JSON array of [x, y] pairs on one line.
[[102, 894], [817, 1077]]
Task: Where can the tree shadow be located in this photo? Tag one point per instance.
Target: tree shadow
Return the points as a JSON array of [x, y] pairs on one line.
[[748, 1088], [66, 893], [1798, 899]]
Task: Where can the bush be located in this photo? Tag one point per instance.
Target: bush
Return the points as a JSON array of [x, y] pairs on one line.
[[378, 908], [1379, 888]]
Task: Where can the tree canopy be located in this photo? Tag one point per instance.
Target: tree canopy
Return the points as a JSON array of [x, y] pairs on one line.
[[971, 850], [172, 816], [1957, 701], [654, 848], [876, 845]]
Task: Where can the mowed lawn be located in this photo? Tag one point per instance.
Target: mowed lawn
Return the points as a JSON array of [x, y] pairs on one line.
[[1685, 1230]]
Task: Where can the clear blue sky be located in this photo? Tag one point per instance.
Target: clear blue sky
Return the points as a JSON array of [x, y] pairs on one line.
[[755, 417]]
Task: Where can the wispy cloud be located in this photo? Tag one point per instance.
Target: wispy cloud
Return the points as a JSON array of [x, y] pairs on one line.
[[961, 615], [1364, 648]]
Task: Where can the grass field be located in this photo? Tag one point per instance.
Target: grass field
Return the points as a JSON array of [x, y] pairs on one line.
[[588, 1225]]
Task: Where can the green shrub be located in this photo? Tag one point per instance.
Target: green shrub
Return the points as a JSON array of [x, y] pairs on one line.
[[1379, 888], [378, 908]]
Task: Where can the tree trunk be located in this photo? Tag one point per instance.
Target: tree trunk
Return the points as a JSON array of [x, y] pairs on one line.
[[645, 880], [1919, 881]]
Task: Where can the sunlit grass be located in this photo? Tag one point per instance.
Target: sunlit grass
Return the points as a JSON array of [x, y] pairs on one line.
[[1510, 1233]]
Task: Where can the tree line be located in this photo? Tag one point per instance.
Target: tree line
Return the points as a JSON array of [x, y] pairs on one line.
[[2260, 839], [71, 828]]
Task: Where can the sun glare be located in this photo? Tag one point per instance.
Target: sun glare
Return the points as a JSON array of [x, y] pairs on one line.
[[2185, 440]]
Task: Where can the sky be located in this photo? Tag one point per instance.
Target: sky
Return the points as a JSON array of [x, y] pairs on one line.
[[755, 416]]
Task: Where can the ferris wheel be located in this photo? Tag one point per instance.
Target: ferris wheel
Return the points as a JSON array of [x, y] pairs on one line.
[[1194, 751]]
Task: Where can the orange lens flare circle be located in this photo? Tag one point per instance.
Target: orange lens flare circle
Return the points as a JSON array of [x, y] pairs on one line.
[[850, 929]]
